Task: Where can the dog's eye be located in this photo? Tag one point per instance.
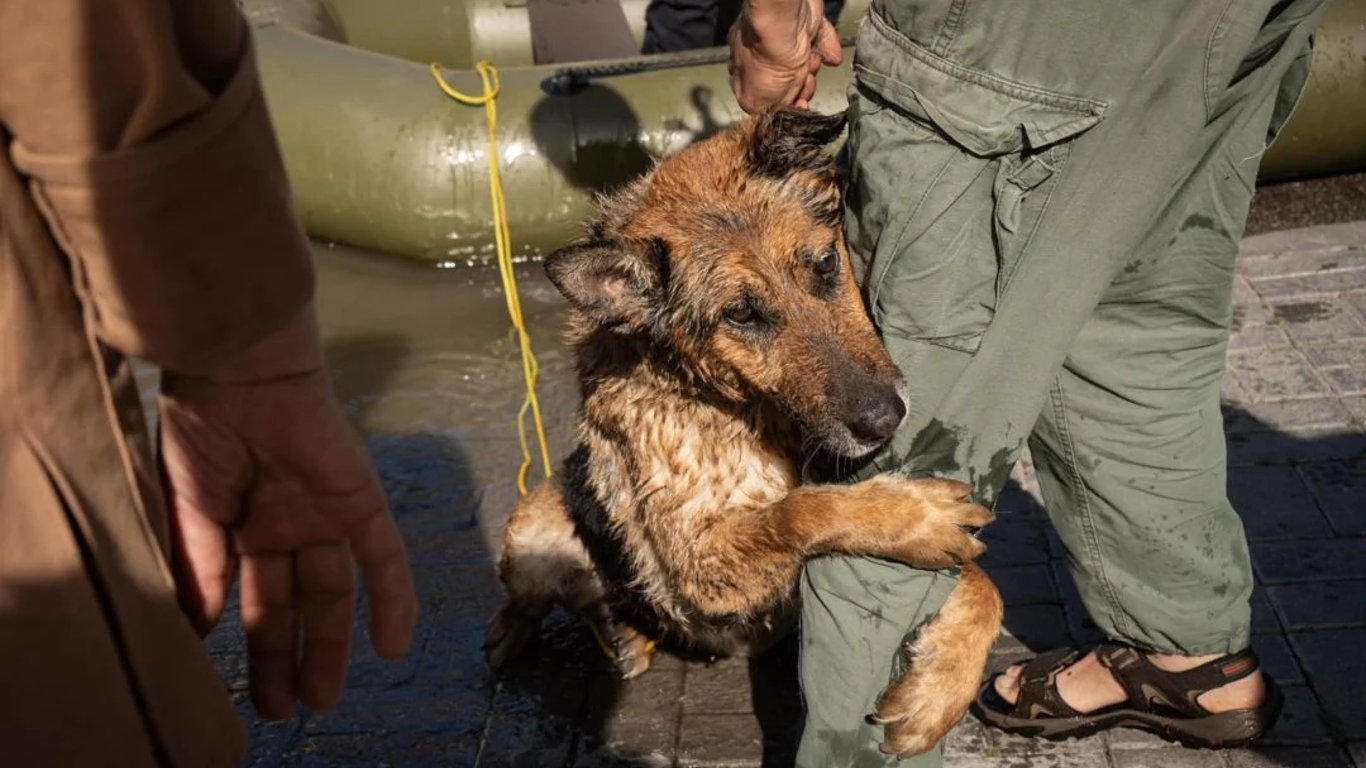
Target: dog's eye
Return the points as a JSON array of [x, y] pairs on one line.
[[828, 264], [741, 314]]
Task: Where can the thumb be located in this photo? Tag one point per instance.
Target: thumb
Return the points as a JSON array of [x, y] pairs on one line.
[[203, 565], [203, 475], [828, 45]]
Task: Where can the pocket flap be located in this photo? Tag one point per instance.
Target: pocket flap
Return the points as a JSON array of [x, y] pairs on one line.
[[986, 114]]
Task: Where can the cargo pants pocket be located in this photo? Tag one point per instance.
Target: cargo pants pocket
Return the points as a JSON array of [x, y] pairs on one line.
[[951, 172]]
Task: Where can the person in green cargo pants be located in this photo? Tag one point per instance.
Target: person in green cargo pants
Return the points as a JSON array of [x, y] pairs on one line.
[[1045, 199]]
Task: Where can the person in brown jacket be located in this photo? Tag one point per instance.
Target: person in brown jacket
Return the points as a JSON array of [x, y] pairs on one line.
[[144, 214]]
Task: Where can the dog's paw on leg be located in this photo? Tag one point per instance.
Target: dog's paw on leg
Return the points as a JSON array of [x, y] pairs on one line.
[[946, 664], [508, 634], [634, 652]]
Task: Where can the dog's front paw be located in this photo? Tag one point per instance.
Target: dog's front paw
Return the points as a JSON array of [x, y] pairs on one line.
[[945, 669], [939, 515]]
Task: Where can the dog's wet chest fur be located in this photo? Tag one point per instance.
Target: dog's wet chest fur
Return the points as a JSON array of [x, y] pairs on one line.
[[656, 470]]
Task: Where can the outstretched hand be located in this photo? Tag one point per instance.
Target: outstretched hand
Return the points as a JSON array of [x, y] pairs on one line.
[[263, 472], [776, 49]]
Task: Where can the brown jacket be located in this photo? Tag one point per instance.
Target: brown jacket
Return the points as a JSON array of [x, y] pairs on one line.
[[143, 213]]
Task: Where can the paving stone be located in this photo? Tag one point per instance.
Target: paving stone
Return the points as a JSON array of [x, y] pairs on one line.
[[1302, 722], [1279, 375], [1287, 757], [1328, 282], [1052, 760], [1321, 605], [720, 740], [969, 739], [1277, 660], [1299, 561], [1166, 757], [972, 741], [270, 740], [1254, 338], [1318, 318], [1264, 619], [1230, 391], [402, 749], [722, 688], [1133, 738], [1275, 503], [1249, 311], [1025, 584], [405, 710], [1333, 238], [1357, 301], [1357, 405], [1014, 540], [1295, 446], [1345, 381], [1335, 352], [1335, 666], [1039, 627], [630, 738], [1306, 262], [1243, 292], [1281, 414], [1340, 488]]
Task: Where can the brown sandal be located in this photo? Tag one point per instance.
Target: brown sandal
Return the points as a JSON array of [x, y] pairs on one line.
[[1162, 702]]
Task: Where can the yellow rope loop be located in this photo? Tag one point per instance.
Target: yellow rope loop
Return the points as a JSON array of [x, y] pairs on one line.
[[488, 99]]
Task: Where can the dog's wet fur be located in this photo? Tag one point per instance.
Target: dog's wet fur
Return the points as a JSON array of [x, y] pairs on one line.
[[721, 341]]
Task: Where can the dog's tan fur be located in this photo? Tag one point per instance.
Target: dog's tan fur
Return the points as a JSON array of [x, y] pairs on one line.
[[721, 340]]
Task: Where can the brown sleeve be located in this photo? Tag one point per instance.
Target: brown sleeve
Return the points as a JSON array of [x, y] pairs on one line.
[[142, 130]]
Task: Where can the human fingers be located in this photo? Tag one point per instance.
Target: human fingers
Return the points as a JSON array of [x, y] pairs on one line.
[[325, 585], [271, 621]]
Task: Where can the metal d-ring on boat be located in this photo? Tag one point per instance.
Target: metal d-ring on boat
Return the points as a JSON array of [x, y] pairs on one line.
[[381, 159]]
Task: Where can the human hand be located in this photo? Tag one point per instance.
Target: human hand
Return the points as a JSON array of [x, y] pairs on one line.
[[776, 49], [262, 469]]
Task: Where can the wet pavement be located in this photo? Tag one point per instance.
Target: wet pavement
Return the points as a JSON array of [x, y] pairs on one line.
[[426, 366]]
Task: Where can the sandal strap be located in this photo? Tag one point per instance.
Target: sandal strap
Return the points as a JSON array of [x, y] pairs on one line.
[[1147, 684], [1039, 686]]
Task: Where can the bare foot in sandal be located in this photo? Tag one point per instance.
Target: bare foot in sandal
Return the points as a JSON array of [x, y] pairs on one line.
[[1210, 701], [1088, 685]]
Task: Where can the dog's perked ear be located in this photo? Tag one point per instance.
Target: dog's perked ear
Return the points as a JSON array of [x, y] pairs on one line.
[[616, 282], [787, 139]]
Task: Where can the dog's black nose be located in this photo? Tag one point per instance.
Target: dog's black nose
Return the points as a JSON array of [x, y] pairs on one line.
[[878, 417]]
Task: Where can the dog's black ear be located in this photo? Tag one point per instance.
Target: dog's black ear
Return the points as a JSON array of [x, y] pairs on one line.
[[617, 282], [787, 139]]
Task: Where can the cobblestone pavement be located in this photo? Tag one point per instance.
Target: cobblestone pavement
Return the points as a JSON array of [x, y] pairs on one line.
[[1296, 421]]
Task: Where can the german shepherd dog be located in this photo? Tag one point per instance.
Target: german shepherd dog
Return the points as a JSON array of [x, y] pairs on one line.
[[720, 338]]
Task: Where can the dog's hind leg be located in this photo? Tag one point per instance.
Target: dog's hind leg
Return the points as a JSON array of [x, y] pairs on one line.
[[543, 563], [946, 664]]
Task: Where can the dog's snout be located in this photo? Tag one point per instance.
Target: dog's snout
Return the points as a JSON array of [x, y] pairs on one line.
[[878, 416]]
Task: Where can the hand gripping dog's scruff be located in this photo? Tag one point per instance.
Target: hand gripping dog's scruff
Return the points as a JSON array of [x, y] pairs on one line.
[[721, 340]]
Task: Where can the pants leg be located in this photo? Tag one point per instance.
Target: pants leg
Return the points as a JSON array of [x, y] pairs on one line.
[[1129, 447], [998, 192]]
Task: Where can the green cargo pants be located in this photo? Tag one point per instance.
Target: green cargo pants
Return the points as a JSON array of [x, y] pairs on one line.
[[1046, 199]]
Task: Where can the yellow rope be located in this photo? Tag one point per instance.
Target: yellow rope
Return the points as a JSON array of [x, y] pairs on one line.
[[488, 76]]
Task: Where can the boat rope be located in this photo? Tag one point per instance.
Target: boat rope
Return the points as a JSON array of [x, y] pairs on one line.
[[488, 99]]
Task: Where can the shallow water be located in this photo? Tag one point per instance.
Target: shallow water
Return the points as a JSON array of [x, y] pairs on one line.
[[426, 363]]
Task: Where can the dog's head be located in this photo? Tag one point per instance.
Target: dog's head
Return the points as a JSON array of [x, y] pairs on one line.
[[729, 257]]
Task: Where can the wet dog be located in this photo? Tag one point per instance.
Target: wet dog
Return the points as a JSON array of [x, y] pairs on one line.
[[721, 341]]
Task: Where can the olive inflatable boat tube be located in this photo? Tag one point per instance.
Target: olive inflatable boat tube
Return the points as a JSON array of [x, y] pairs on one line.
[[380, 158]]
